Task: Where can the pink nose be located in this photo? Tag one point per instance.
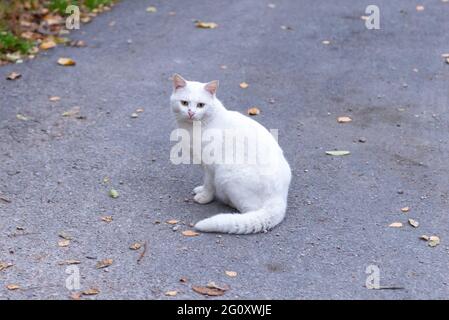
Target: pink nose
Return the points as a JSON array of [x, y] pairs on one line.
[[190, 113]]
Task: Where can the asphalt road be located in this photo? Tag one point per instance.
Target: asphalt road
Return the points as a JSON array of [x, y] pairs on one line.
[[393, 82]]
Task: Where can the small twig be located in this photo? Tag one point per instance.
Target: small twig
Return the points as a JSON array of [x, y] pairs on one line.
[[389, 288], [143, 252]]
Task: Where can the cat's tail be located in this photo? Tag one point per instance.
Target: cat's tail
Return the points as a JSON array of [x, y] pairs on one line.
[[263, 219]]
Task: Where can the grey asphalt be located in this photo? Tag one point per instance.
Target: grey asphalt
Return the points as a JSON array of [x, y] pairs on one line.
[[393, 82]]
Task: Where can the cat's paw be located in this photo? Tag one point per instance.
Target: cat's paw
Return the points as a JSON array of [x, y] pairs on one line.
[[204, 197], [198, 189]]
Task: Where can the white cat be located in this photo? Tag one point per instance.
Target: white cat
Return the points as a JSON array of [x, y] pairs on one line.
[[258, 190]]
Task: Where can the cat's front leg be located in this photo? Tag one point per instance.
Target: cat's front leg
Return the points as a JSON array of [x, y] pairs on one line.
[[205, 193]]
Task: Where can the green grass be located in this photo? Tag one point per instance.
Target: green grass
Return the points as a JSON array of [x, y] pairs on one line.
[[61, 5], [92, 4], [12, 43]]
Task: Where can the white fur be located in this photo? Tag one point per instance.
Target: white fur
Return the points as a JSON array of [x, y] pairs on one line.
[[258, 192]]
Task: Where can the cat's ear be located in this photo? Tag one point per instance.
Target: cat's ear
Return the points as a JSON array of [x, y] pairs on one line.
[[178, 82], [212, 87]]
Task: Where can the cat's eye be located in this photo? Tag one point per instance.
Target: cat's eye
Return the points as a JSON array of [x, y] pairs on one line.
[[200, 105], [184, 103]]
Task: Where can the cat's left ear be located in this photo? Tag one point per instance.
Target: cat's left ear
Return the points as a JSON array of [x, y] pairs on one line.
[[212, 87]]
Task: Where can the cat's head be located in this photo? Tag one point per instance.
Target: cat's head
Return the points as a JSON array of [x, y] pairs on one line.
[[192, 100]]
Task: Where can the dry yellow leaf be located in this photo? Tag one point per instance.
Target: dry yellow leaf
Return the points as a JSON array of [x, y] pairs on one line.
[[48, 44], [12, 287], [63, 243], [107, 218], [173, 221], [424, 237], [91, 292], [136, 246], [206, 25], [396, 225], [254, 111], [190, 233], [66, 62], [231, 274], [152, 9], [73, 111], [104, 263], [413, 223], [4, 266], [21, 117], [244, 85], [405, 209], [344, 119], [171, 293]]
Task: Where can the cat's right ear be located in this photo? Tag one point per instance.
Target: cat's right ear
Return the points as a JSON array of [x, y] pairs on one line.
[[178, 82]]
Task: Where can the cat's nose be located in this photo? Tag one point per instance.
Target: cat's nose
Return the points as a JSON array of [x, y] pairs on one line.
[[190, 113]]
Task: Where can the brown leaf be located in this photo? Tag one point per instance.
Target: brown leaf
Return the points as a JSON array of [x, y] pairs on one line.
[[65, 236], [206, 25], [183, 280], [5, 265], [405, 209], [206, 291], [13, 76], [66, 62], [190, 233], [104, 263], [48, 44], [91, 292], [173, 221], [136, 246], [171, 293], [12, 287], [107, 219], [424, 237], [254, 111]]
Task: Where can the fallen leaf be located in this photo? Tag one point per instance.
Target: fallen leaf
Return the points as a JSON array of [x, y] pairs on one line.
[[151, 9], [172, 221], [4, 199], [344, 119], [140, 110], [54, 98], [47, 45], [405, 209], [424, 237], [12, 287], [171, 293], [190, 233], [4, 266], [13, 76], [107, 219], [69, 262], [244, 85], [183, 280], [338, 153], [445, 55], [213, 285], [413, 223], [21, 117], [104, 263], [231, 274], [206, 25], [419, 8], [66, 62], [326, 42], [254, 111], [395, 225], [433, 241], [136, 246], [207, 291], [63, 243], [91, 292], [71, 112], [134, 115], [113, 193]]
